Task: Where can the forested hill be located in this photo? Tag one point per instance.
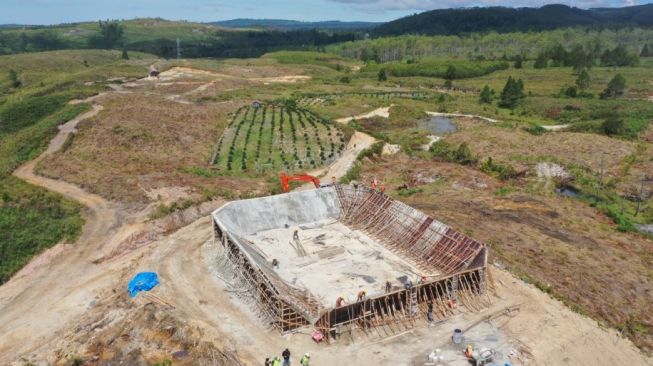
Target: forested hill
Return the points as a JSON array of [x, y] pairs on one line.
[[282, 24], [500, 19]]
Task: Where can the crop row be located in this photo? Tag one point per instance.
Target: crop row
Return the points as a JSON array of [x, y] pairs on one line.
[[275, 137], [317, 99]]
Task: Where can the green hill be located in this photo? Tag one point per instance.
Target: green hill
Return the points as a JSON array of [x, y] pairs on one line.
[[501, 19]]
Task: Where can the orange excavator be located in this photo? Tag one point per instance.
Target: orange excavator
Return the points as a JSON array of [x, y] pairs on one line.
[[285, 179]]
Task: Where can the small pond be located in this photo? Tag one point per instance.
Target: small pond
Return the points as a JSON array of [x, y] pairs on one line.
[[567, 191], [437, 125]]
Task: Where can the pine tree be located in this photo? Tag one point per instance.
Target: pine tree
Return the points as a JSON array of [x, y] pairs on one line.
[[512, 93], [518, 62], [486, 96], [450, 74], [382, 75], [646, 52], [615, 87], [583, 81], [541, 61], [13, 78]]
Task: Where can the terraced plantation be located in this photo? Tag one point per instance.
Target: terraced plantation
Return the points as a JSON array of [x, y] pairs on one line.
[[272, 137]]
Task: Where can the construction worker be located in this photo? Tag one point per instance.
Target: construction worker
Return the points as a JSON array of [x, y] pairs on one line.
[[429, 313], [469, 351], [286, 357], [333, 180], [275, 263], [452, 303], [340, 301], [295, 235], [361, 295], [388, 286], [276, 361], [382, 187], [305, 359], [268, 362], [373, 184]]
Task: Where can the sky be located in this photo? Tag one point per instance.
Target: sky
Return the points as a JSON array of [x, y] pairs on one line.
[[64, 11]]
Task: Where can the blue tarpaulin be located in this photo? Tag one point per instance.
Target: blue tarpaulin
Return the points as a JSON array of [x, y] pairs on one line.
[[143, 281]]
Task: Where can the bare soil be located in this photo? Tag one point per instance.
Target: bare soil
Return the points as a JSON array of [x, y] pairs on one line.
[[138, 145], [71, 304]]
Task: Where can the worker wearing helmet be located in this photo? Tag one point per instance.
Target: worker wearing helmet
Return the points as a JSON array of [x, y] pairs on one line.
[[305, 359]]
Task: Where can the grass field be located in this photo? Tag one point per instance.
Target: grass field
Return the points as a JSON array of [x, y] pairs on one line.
[[274, 137]]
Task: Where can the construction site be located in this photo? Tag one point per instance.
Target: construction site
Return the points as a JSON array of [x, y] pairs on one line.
[[342, 258]]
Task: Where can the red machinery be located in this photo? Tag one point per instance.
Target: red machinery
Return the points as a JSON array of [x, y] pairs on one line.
[[300, 177]]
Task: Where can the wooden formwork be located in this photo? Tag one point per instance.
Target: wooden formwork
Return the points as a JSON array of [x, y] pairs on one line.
[[457, 265]]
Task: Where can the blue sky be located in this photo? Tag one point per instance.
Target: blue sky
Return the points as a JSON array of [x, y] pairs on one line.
[[58, 11]]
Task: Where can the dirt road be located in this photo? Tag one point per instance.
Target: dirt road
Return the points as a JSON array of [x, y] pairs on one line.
[[37, 304], [383, 112]]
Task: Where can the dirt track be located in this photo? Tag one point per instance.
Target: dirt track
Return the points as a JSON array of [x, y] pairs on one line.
[[39, 308]]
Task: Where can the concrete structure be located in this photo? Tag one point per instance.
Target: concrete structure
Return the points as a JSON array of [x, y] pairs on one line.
[[294, 254]]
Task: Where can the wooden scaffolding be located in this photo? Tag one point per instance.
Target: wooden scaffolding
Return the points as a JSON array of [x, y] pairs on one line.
[[460, 263]]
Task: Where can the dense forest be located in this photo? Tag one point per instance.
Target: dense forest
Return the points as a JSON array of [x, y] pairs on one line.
[[527, 45], [282, 24], [502, 20], [203, 42]]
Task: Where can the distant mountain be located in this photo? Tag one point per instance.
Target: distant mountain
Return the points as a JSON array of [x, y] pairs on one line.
[[501, 19], [283, 24]]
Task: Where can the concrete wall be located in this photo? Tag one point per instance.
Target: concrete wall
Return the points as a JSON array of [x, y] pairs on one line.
[[250, 216]]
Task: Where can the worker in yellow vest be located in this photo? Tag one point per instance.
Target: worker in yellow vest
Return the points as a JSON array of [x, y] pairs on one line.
[[305, 359]]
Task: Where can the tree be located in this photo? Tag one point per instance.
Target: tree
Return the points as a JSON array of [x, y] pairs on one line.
[[559, 55], [541, 61], [486, 96], [613, 125], [615, 87], [13, 78], [450, 74], [111, 32], [583, 81], [618, 56], [382, 75], [571, 92], [518, 62], [578, 59], [646, 52], [512, 93], [125, 56]]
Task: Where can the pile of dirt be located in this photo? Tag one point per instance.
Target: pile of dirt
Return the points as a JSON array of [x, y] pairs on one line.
[[138, 332]]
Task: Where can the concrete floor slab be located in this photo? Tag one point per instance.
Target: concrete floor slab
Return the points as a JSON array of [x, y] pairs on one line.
[[337, 260]]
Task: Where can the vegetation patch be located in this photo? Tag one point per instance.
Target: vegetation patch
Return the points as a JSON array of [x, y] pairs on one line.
[[437, 68]]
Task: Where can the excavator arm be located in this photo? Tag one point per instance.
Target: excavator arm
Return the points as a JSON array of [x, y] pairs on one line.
[[286, 179]]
